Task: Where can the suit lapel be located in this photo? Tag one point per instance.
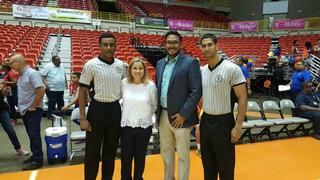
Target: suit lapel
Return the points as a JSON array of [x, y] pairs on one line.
[[161, 69], [175, 69]]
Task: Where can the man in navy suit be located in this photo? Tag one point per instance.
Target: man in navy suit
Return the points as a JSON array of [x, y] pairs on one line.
[[179, 90]]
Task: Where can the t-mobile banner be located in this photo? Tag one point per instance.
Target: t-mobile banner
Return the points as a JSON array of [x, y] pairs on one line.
[[184, 25], [243, 26], [289, 24]]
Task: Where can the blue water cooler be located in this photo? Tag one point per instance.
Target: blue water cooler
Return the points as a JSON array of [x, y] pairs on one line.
[[56, 140]]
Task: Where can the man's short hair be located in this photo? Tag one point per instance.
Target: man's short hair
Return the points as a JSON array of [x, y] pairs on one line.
[[54, 57], [77, 74], [211, 36], [173, 33], [106, 35]]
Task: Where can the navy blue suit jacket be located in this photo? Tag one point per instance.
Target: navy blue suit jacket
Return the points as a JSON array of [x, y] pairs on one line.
[[184, 91]]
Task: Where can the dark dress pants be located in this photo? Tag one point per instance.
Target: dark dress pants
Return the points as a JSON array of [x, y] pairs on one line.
[[105, 120], [217, 151]]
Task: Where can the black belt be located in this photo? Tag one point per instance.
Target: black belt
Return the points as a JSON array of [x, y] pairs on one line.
[[117, 101], [163, 108]]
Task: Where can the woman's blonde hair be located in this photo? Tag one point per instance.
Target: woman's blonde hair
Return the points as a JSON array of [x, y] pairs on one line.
[[145, 78]]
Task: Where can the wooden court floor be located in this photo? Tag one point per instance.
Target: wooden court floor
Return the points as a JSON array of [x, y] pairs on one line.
[[292, 159]]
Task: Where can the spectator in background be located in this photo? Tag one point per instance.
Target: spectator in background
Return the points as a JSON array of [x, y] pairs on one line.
[[54, 78], [299, 76], [139, 104], [308, 49], [278, 75], [293, 53], [241, 61], [5, 123], [30, 95], [10, 82], [294, 49], [309, 105], [178, 81], [74, 91], [277, 51]]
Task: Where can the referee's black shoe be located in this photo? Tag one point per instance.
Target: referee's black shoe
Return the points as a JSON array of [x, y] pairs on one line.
[[33, 165], [28, 161]]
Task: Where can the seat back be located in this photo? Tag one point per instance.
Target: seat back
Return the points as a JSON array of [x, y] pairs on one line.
[[270, 105], [253, 106], [286, 104]]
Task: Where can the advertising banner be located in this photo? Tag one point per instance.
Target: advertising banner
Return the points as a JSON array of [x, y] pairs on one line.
[[69, 15], [151, 21], [289, 24], [185, 25], [34, 12], [313, 23], [243, 26]]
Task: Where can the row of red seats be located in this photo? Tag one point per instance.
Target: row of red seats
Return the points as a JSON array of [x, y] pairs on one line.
[[180, 12], [171, 11], [27, 2], [77, 4], [24, 40], [286, 42], [71, 4]]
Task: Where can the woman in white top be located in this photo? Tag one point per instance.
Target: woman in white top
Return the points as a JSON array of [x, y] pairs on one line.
[[139, 104]]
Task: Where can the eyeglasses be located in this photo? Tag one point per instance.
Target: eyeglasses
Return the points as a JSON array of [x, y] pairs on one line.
[[174, 43]]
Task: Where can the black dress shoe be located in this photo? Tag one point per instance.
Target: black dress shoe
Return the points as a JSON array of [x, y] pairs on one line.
[[27, 161], [32, 166]]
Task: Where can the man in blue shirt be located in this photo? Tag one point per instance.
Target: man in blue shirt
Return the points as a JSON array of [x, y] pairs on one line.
[[30, 94], [309, 105], [241, 61], [300, 75]]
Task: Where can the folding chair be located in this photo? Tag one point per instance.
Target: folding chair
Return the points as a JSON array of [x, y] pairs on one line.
[[288, 104], [283, 123], [154, 140], [76, 136], [260, 123], [246, 126]]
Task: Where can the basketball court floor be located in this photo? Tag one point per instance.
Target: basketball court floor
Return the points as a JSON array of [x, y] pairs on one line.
[[292, 159]]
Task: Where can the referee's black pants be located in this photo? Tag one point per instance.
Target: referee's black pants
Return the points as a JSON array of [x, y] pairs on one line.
[[217, 151], [105, 129]]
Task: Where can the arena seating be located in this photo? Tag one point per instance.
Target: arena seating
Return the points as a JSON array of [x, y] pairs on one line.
[[27, 2], [128, 7], [286, 42], [77, 4], [181, 12], [30, 42], [70, 4], [173, 12], [23, 39]]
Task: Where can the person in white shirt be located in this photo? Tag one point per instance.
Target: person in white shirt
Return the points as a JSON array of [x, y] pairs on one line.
[[139, 104], [54, 78]]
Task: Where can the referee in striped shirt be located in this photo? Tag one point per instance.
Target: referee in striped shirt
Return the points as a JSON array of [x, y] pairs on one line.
[[102, 123], [218, 129]]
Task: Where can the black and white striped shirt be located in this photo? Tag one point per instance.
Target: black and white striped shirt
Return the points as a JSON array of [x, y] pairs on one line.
[[106, 78], [217, 84]]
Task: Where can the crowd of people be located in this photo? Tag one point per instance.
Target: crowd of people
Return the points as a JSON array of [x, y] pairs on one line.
[[180, 89]]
